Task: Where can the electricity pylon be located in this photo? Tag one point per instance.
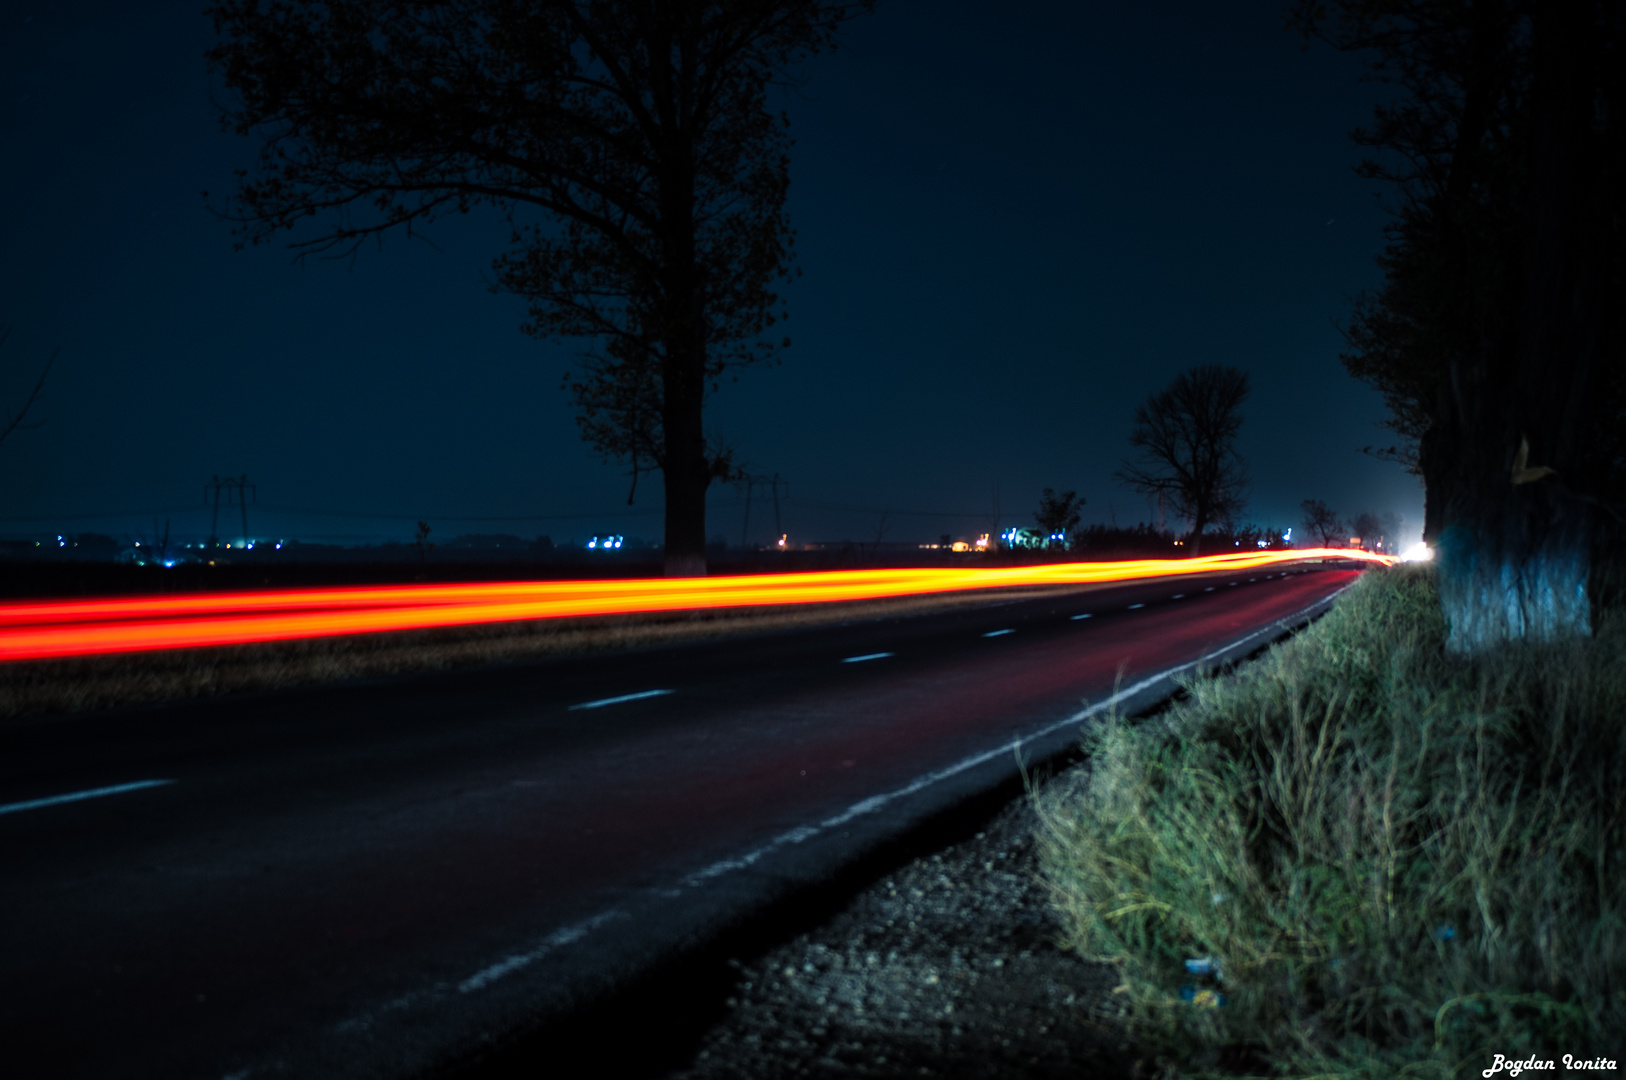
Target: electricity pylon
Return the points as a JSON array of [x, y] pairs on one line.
[[238, 489], [750, 485]]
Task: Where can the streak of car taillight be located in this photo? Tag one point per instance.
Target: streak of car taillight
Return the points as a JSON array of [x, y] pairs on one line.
[[34, 630]]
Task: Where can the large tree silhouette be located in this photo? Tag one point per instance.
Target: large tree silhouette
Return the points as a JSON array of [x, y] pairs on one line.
[[1186, 435], [629, 142], [1496, 337]]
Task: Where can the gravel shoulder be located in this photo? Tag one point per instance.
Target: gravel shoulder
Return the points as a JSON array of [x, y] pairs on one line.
[[946, 967]]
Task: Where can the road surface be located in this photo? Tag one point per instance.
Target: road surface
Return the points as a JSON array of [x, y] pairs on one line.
[[368, 879]]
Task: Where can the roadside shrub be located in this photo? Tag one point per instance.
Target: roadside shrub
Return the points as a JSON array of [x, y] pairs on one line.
[[1396, 863]]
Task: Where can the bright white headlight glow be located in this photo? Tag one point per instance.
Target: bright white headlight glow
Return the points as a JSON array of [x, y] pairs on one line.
[[1418, 552]]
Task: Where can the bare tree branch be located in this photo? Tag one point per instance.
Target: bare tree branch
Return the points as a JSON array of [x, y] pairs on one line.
[[14, 421]]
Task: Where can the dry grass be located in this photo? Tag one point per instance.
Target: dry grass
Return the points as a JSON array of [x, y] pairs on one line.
[[73, 685], [1398, 864]]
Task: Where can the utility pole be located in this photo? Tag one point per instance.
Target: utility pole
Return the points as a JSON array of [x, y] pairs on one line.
[[750, 483], [238, 489], [777, 530]]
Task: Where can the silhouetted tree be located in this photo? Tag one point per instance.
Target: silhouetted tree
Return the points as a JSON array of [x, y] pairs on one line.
[[1321, 521], [1497, 337], [630, 145], [1058, 514], [1389, 526], [1368, 527], [14, 420], [1186, 435]]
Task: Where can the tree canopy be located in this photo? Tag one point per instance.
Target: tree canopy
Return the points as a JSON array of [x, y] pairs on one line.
[[630, 145], [1058, 513], [1322, 521], [1186, 435]]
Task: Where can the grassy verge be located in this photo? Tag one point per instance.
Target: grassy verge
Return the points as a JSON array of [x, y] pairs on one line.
[[1356, 858]]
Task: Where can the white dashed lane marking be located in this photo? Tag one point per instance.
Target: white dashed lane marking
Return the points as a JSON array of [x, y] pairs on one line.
[[998, 633], [77, 796], [599, 704], [866, 656], [1178, 596], [1083, 616], [570, 935], [1134, 607]]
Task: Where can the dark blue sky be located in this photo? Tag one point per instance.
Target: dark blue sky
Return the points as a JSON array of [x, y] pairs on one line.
[[1015, 222]]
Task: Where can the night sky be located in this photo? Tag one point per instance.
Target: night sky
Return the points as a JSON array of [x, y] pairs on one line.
[[1014, 222]]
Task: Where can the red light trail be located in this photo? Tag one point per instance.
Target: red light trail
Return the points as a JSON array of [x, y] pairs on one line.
[[36, 630]]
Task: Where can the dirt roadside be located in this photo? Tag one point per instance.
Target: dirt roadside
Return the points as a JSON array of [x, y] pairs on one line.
[[947, 967]]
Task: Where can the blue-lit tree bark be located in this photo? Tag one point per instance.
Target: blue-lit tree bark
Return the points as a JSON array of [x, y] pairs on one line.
[[1496, 336]]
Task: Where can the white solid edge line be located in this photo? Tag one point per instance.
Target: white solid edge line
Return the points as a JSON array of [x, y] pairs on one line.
[[875, 802], [555, 940], [866, 656], [599, 704], [1083, 616], [576, 932], [998, 633], [75, 796]]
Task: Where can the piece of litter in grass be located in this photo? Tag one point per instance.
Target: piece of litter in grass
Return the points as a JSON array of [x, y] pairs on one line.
[[1203, 965], [1203, 999]]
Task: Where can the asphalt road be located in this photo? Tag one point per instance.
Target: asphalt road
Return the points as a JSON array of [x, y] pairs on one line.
[[367, 879]]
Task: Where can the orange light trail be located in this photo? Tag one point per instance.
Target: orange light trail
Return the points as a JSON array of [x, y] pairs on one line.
[[37, 630]]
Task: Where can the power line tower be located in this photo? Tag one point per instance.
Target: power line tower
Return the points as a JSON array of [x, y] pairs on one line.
[[750, 485], [237, 489]]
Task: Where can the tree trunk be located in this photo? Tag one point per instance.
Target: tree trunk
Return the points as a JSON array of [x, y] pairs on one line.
[[1512, 541], [1515, 572], [686, 472], [685, 469]]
